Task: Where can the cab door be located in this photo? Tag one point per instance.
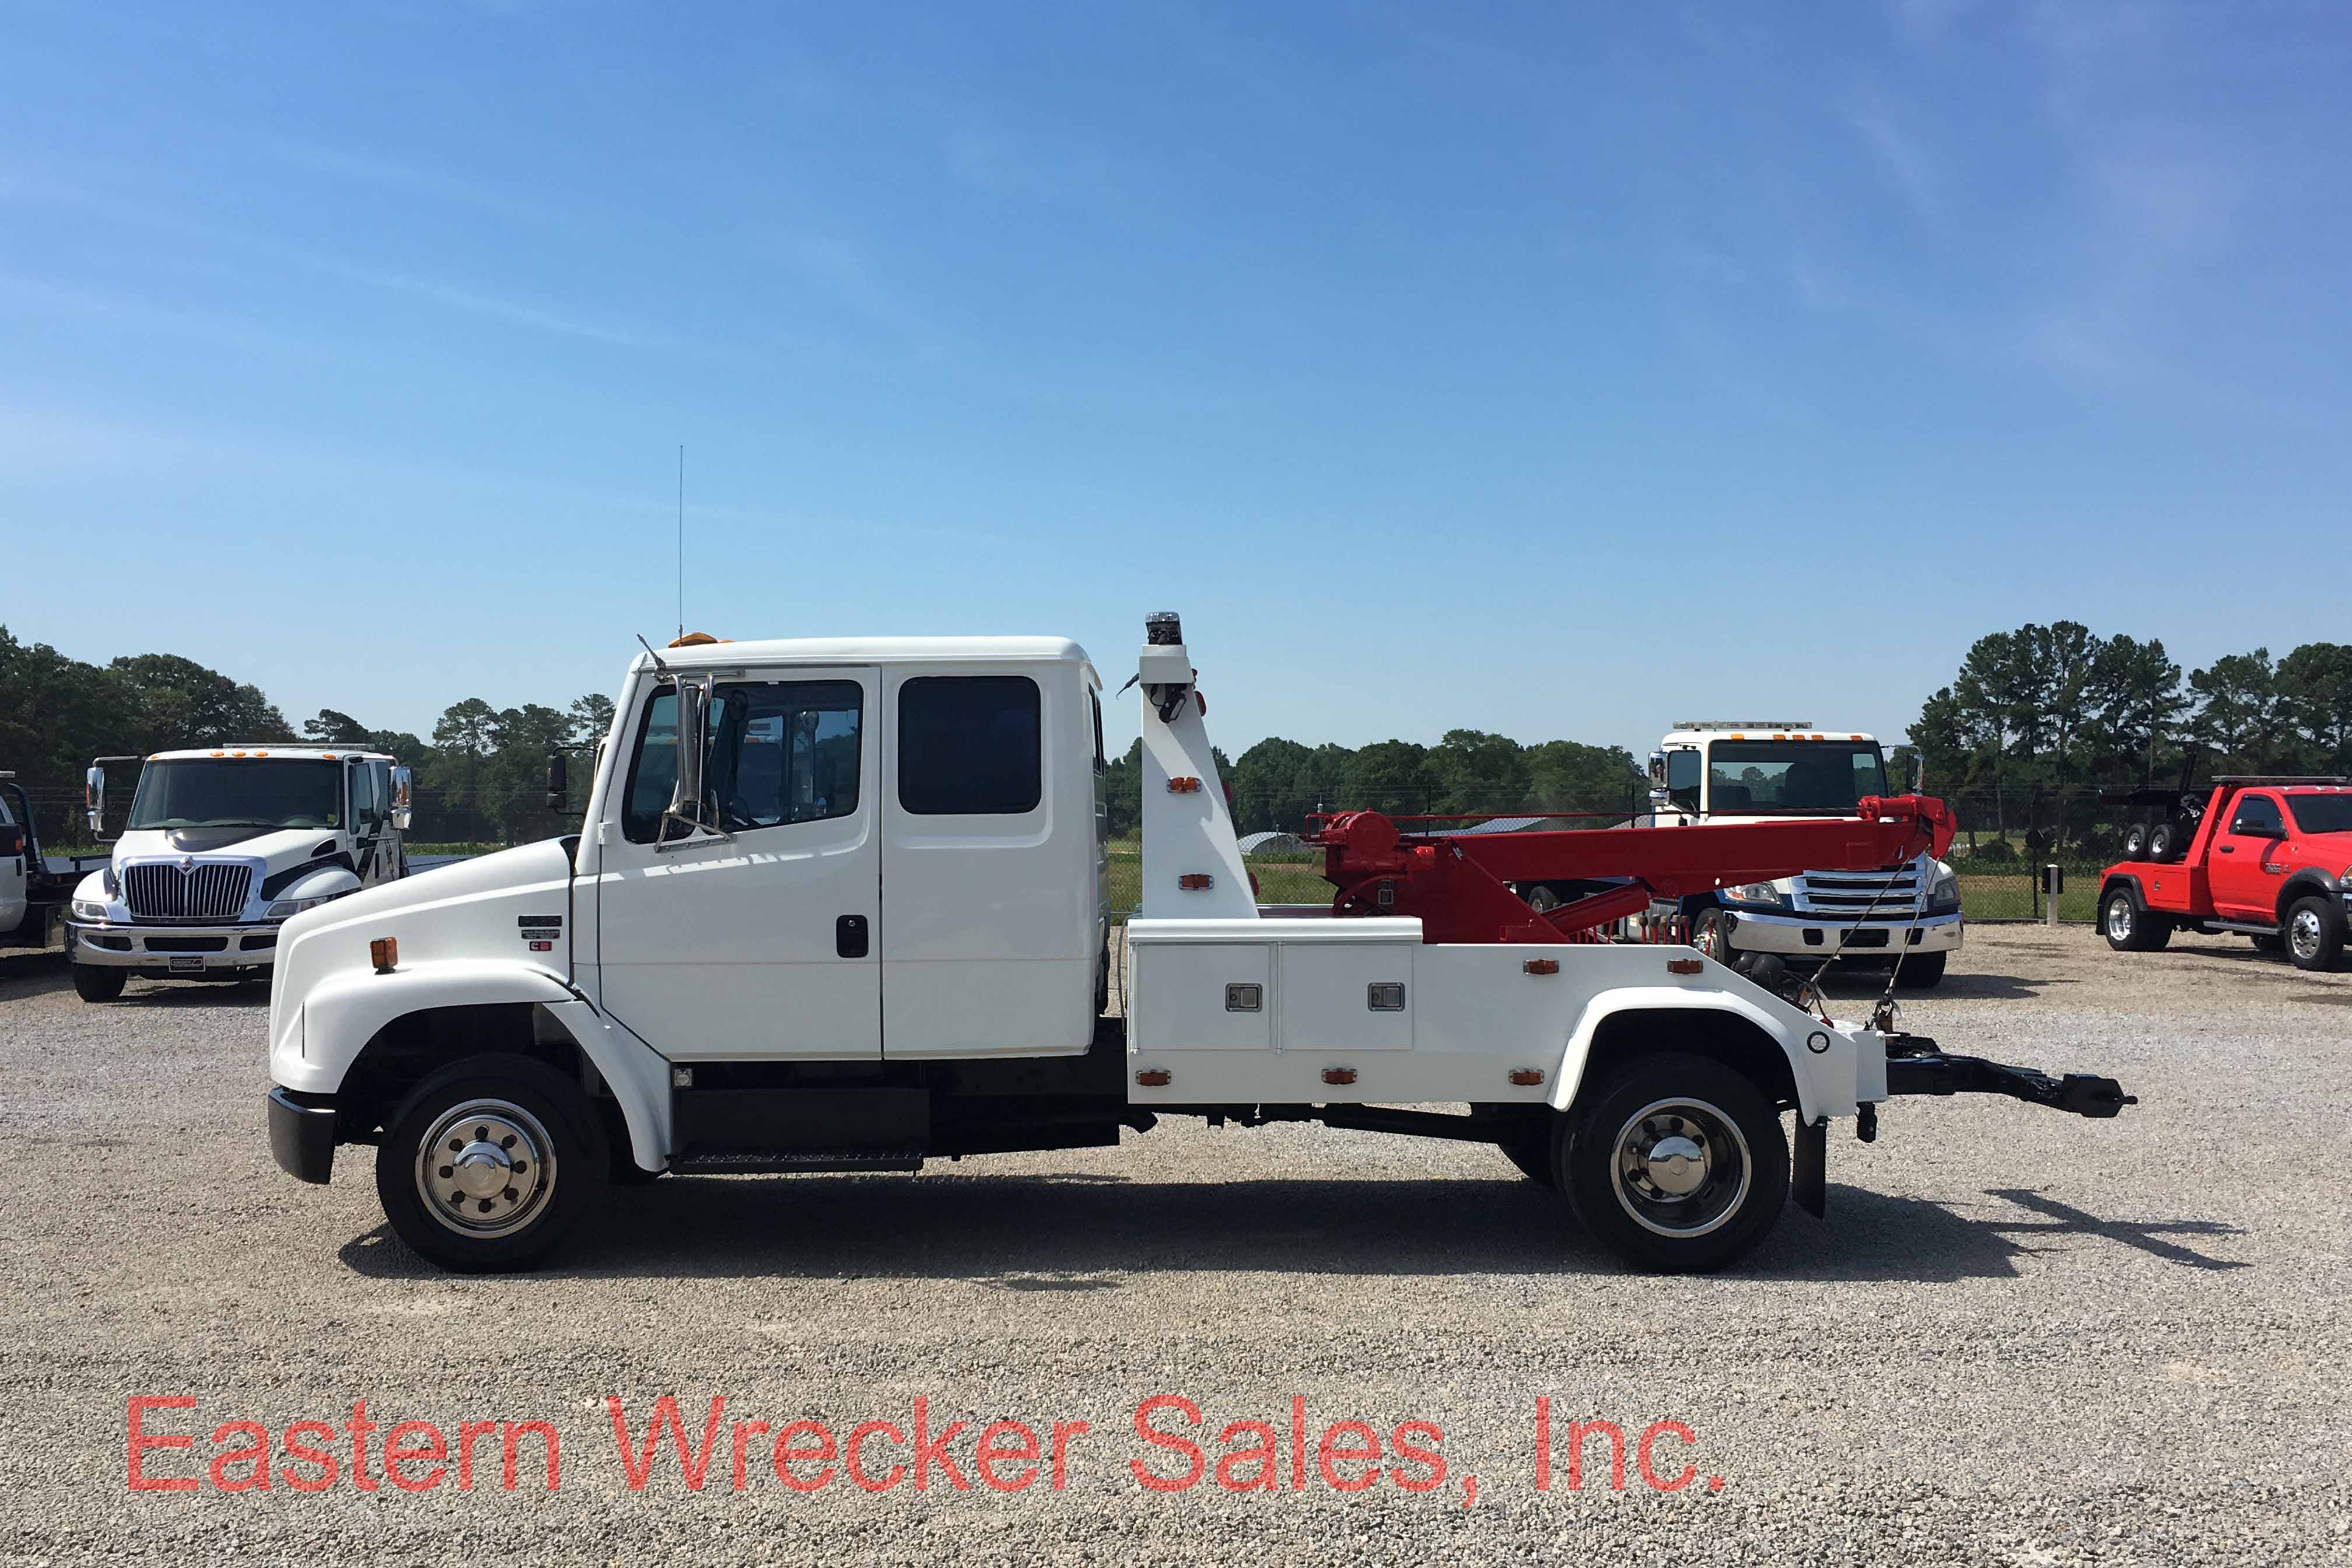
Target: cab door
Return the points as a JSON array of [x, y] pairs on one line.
[[2239, 872], [757, 940]]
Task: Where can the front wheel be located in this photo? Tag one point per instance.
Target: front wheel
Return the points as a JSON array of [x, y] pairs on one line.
[[2315, 933], [93, 984], [1677, 1163], [489, 1162], [1711, 934], [1923, 973]]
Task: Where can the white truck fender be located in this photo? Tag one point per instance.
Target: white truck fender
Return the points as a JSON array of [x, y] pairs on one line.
[[1820, 1057], [326, 881], [351, 1008]]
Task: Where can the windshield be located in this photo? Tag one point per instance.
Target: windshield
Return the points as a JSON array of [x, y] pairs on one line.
[[2322, 813], [1792, 777], [209, 792]]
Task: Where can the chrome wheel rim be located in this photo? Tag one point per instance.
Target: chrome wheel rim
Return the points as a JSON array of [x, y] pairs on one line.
[[1680, 1168], [1708, 939], [2119, 919], [2305, 934], [486, 1169]]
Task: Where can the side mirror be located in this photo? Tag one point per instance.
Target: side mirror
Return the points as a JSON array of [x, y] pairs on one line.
[[559, 782], [2248, 828], [1915, 773], [1658, 767], [400, 798], [93, 800], [686, 800]]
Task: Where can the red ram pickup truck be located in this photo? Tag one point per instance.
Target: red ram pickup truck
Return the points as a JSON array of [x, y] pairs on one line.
[[2270, 857]]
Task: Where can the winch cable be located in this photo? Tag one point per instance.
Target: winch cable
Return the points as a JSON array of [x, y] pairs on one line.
[[1838, 951]]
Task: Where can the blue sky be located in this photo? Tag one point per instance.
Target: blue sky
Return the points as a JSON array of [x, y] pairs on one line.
[[1558, 370]]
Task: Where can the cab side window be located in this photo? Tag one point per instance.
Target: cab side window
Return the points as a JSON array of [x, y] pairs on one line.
[[653, 769], [1682, 778], [969, 745], [363, 812], [777, 753], [2258, 817]]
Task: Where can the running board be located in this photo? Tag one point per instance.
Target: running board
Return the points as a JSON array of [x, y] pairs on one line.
[[762, 1162]]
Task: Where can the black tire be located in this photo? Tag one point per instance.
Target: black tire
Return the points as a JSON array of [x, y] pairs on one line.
[[2163, 840], [1725, 1123], [1922, 971], [2271, 943], [1533, 1156], [2125, 921], [93, 983], [1711, 934], [512, 1101], [2135, 841], [2313, 933]]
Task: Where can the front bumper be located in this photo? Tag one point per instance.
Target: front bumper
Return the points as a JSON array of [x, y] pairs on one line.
[[1817, 936], [168, 950], [302, 1135]]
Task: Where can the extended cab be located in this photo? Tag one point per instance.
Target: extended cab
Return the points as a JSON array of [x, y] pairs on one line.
[[222, 845], [2270, 857], [837, 905], [1752, 770]]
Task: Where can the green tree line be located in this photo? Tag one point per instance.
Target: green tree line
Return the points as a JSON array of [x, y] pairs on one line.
[[2040, 721], [479, 778]]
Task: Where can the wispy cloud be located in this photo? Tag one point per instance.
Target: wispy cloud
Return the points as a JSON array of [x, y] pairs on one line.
[[1902, 159]]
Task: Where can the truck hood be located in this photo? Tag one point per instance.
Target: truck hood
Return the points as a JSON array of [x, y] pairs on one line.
[[276, 847], [492, 908]]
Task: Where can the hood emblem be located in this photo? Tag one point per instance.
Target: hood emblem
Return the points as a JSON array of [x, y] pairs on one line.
[[187, 863]]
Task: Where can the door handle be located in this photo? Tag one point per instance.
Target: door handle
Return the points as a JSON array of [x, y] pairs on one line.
[[2227, 848], [849, 936]]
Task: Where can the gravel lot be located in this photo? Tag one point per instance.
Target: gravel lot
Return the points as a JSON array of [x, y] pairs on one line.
[[2018, 1337]]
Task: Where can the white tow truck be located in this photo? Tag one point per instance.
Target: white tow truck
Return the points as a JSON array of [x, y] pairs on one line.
[[1906, 915], [223, 846], [837, 905]]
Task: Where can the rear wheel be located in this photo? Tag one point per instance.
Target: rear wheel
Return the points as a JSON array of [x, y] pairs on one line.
[[489, 1162], [2128, 927], [1677, 1163], [92, 983], [2135, 841], [1922, 972], [2315, 933]]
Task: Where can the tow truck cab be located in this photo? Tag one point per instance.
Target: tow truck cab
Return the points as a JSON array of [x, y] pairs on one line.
[[1755, 770], [221, 846], [837, 905]]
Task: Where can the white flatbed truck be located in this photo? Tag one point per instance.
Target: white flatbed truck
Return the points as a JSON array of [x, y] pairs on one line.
[[836, 905]]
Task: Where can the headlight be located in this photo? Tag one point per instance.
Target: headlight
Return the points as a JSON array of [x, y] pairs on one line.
[[284, 908], [85, 910], [1944, 893], [1756, 893]]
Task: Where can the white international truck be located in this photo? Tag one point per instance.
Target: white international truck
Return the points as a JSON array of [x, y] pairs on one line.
[[1906, 915], [222, 846], [837, 905]]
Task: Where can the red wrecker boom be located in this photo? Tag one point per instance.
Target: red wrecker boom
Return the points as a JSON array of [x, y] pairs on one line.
[[1459, 884]]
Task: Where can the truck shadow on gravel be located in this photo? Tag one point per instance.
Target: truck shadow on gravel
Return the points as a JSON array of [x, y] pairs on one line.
[[1862, 985], [16, 984], [1090, 1233]]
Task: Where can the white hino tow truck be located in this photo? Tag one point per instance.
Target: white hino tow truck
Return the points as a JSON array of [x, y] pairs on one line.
[[838, 906], [222, 845], [1904, 916]]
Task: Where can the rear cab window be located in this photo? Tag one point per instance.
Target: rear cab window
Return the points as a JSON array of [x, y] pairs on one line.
[[970, 745]]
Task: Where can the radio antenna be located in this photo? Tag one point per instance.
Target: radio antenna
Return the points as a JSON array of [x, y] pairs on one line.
[[681, 539]]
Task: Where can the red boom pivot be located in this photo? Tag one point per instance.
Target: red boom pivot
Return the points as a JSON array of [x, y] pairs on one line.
[[1457, 884]]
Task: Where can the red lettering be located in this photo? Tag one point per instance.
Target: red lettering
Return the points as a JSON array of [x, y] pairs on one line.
[[1063, 1432], [397, 1454], [359, 1427], [258, 1456], [1159, 1439], [1267, 1454], [140, 1441], [508, 1431], [928, 1448], [693, 1466], [988, 1456], [1543, 1442], [1297, 1443], [466, 1436], [1325, 1455], [1577, 1432], [783, 1457], [1642, 1456], [857, 1473], [1412, 1453], [304, 1454], [743, 1430]]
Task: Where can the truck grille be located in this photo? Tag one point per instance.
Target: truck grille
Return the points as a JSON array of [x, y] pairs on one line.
[[207, 893], [1850, 893]]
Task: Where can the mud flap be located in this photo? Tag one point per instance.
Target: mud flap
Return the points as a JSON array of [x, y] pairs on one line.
[[1808, 1182]]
